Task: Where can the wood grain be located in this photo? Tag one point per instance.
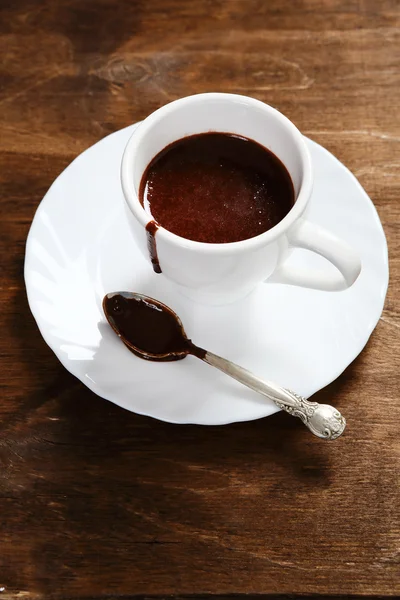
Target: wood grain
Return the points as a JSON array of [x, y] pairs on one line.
[[96, 502]]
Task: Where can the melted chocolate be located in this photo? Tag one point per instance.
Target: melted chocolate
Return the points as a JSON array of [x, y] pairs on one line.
[[149, 328], [151, 229], [216, 188]]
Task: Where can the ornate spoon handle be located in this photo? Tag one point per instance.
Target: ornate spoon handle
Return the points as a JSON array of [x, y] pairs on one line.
[[322, 420]]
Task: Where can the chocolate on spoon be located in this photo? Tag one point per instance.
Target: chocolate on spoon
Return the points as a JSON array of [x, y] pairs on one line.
[[152, 331], [148, 327]]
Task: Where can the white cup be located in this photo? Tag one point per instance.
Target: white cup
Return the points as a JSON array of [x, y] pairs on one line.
[[222, 273]]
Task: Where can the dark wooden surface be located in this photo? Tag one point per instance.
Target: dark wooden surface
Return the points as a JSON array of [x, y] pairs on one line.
[[96, 502]]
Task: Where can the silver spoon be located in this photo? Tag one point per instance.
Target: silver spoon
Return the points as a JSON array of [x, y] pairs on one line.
[[153, 331]]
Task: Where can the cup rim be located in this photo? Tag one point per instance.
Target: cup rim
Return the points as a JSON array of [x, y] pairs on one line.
[[143, 217]]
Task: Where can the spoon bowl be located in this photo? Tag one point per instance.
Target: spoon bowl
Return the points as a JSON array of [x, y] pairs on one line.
[[113, 305]]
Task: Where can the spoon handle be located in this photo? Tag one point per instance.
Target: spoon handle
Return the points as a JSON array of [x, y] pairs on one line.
[[322, 420]]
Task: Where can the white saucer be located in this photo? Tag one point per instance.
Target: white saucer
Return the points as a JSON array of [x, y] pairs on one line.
[[79, 248]]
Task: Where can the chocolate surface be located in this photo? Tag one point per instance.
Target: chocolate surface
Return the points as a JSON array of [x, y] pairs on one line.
[[216, 188]]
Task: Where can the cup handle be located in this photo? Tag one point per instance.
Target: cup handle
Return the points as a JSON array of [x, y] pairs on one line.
[[316, 239]]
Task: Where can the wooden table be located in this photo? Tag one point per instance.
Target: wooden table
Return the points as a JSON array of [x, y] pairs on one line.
[[96, 502]]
